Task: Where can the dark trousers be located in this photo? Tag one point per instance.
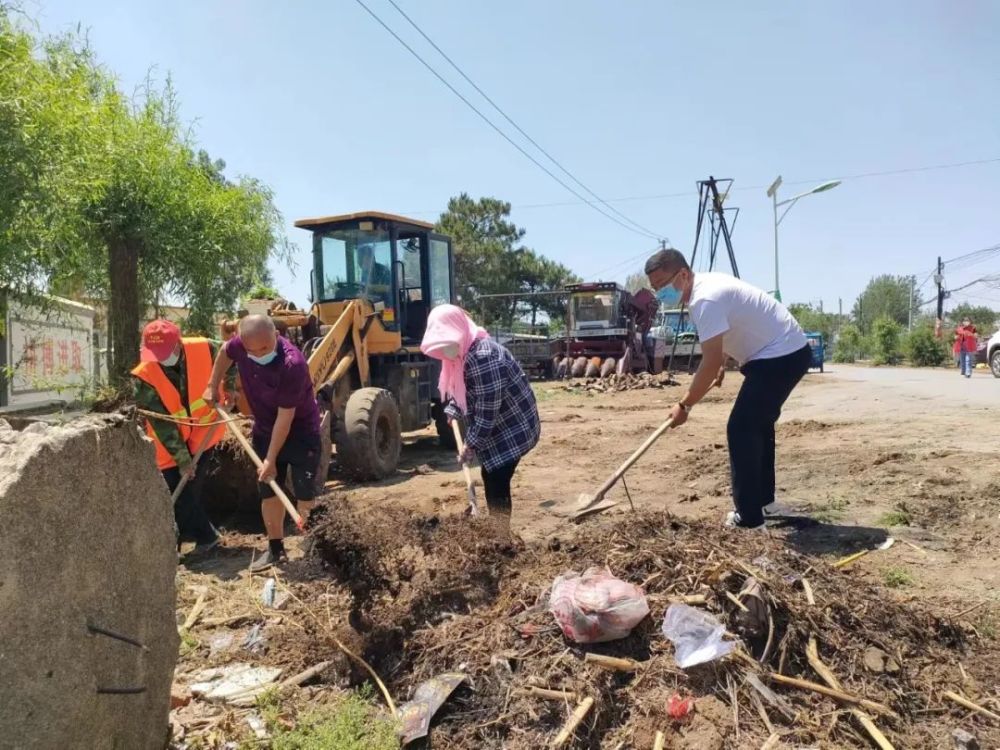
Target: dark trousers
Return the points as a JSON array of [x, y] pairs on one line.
[[767, 385], [496, 484], [189, 514]]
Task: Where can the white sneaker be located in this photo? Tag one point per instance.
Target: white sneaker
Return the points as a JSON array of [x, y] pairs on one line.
[[733, 522]]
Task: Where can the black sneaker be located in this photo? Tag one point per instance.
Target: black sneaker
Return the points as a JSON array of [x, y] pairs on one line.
[[203, 548], [266, 561]]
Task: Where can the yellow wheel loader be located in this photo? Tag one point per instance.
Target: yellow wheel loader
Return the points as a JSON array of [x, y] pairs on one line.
[[375, 278]]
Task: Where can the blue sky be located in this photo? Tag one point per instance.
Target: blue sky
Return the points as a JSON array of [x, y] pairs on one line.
[[637, 99]]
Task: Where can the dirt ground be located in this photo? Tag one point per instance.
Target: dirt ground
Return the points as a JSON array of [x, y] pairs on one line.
[[862, 456], [857, 454]]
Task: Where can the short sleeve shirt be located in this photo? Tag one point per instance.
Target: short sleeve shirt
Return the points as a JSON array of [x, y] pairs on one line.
[[752, 323], [283, 383]]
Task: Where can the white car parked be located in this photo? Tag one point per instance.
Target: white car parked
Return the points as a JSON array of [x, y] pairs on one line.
[[993, 354]]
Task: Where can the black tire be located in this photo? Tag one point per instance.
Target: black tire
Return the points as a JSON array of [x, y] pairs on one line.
[[446, 437], [370, 437], [995, 363]]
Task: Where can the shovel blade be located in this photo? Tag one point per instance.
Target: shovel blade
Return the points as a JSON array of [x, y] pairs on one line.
[[593, 509]]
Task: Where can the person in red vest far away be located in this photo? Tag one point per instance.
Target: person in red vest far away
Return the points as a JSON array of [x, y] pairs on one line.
[[966, 343], [170, 379]]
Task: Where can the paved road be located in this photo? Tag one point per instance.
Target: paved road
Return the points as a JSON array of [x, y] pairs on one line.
[[980, 390], [894, 393]]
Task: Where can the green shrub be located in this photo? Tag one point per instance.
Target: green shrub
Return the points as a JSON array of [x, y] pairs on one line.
[[885, 341], [923, 349], [850, 344]]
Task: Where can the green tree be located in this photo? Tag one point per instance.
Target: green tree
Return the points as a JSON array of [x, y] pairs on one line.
[[486, 259], [982, 317], [107, 195], [489, 260], [48, 139], [923, 349], [850, 344], [886, 341], [811, 319], [885, 296]]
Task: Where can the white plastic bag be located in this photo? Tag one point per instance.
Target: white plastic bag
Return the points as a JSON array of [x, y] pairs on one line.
[[596, 607], [696, 635]]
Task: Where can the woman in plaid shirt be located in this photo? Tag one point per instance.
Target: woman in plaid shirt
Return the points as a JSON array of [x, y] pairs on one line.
[[481, 380]]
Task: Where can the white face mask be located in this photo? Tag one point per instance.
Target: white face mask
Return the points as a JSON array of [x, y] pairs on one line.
[[171, 360], [448, 351]]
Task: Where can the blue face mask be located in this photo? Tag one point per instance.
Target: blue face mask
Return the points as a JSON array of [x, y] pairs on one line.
[[669, 297], [266, 359]]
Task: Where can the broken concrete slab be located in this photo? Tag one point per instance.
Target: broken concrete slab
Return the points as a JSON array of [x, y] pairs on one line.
[[88, 640]]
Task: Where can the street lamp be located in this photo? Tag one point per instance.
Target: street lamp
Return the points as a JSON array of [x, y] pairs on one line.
[[772, 193]]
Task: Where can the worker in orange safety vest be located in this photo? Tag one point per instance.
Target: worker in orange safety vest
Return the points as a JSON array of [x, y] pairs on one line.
[[170, 380]]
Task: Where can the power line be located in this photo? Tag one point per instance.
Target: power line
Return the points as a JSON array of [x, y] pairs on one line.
[[970, 259], [622, 263], [517, 127], [502, 134], [689, 193]]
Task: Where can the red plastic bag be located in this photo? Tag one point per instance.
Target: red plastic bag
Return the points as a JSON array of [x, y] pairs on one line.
[[678, 708], [596, 607]]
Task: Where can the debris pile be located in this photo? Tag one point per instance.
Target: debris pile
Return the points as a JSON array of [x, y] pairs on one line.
[[819, 660], [618, 383], [805, 630]]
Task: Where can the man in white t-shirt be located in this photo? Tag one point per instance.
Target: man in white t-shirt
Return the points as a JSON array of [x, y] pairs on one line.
[[736, 319]]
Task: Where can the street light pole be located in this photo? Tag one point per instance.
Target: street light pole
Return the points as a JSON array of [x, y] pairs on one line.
[[777, 286], [772, 193]]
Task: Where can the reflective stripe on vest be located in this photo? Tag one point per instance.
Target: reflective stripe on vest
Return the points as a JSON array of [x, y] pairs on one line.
[[198, 364]]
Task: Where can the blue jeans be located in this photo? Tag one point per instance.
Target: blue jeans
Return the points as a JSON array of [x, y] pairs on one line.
[[965, 363]]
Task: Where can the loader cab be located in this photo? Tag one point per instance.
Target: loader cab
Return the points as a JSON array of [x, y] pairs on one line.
[[401, 265]]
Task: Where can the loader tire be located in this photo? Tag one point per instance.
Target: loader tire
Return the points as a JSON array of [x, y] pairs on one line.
[[369, 438]]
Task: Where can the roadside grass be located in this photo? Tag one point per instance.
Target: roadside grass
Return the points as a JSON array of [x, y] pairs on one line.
[[831, 512], [351, 722], [896, 577], [898, 517]]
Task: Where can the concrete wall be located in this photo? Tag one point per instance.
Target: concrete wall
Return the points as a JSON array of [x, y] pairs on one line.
[[88, 544]]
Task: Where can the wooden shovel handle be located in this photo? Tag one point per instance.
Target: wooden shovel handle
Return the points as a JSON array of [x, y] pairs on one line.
[[197, 457], [242, 440], [461, 447], [634, 457]]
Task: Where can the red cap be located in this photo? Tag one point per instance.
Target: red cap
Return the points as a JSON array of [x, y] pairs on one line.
[[159, 339]]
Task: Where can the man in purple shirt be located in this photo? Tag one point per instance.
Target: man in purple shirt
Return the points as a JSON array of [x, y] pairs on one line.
[[286, 422]]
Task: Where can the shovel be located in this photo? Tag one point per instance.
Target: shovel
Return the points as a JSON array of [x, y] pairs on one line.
[[242, 440], [469, 486], [195, 459], [589, 504]]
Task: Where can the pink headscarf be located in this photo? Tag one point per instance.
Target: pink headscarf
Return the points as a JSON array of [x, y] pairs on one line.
[[446, 325]]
